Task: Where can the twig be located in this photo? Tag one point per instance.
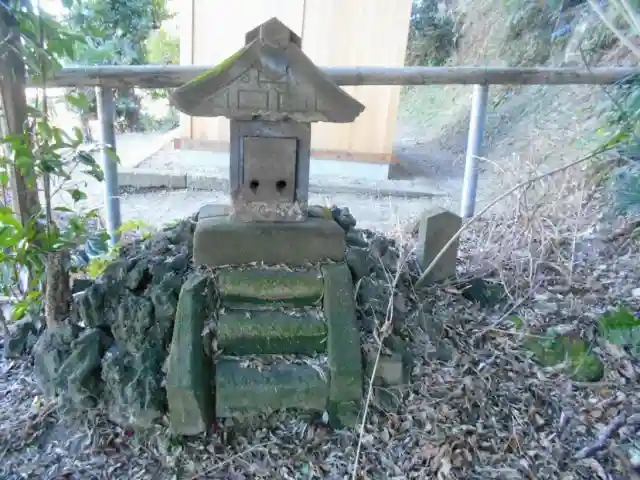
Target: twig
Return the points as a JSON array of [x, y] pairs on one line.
[[384, 330], [626, 463], [229, 460], [505, 315], [615, 30], [616, 424], [520, 185]]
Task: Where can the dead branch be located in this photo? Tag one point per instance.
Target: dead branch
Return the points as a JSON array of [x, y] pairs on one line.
[[616, 424]]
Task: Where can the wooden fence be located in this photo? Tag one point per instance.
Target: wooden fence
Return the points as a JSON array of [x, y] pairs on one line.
[[106, 78]]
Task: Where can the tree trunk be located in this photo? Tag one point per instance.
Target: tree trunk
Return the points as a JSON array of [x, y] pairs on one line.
[[25, 198], [86, 128], [57, 302], [24, 190]]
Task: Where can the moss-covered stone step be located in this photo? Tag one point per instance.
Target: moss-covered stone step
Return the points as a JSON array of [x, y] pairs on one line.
[[189, 370], [251, 390], [257, 286], [246, 332], [343, 346]]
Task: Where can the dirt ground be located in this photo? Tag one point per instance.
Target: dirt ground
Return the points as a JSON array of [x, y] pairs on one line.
[[528, 131]]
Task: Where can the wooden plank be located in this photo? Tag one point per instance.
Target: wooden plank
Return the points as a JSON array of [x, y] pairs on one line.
[[219, 30], [186, 22], [171, 76], [223, 146], [371, 32]]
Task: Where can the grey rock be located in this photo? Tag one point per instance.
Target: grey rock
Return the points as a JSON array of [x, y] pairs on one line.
[[373, 296], [360, 262], [344, 218], [23, 336], [159, 268], [180, 263], [134, 324], [116, 271], [182, 233], [164, 297], [78, 378], [356, 238], [80, 284], [96, 306], [390, 370], [189, 369], [159, 244], [133, 390], [50, 352], [138, 274], [317, 211], [437, 227]]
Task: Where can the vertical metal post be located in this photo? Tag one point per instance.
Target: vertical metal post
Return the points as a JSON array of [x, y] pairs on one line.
[[106, 116], [474, 149]]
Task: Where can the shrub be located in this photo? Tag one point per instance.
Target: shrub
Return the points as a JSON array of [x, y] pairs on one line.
[[529, 36], [434, 34], [622, 120]]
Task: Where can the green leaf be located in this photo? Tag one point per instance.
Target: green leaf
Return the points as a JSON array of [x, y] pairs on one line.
[[77, 195], [621, 327], [19, 309], [78, 101], [25, 165], [63, 209], [112, 155]]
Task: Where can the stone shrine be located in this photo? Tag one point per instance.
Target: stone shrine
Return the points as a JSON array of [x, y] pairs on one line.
[[280, 286], [272, 92], [259, 311]]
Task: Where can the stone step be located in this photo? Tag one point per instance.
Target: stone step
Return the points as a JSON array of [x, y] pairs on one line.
[[221, 240], [259, 286], [247, 389], [296, 332]]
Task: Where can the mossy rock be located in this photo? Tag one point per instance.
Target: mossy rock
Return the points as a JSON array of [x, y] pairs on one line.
[[583, 365]]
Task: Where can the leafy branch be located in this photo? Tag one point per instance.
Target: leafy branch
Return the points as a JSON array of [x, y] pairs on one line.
[[34, 249]]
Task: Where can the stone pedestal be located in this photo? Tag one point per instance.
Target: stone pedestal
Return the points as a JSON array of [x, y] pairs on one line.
[[226, 240]]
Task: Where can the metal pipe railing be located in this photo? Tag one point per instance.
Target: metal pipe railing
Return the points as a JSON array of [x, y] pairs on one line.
[[106, 116], [170, 76], [107, 78]]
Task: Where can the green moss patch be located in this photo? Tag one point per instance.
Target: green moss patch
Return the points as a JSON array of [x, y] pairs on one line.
[[259, 286], [582, 364], [245, 332]]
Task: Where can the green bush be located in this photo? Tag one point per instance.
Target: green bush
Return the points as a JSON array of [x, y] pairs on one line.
[[529, 36], [433, 35], [163, 47], [622, 128], [622, 120]]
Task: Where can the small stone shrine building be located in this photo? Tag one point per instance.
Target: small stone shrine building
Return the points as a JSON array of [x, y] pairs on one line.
[[272, 92]]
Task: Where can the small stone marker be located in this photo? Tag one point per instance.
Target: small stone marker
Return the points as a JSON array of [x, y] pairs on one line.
[[437, 226]]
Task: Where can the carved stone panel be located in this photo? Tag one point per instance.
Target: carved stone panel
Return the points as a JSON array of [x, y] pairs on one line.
[[269, 169]]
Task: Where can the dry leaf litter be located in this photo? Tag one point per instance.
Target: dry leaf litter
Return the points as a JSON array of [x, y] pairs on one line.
[[477, 406]]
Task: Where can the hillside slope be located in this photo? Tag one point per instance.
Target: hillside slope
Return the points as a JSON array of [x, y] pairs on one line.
[[528, 128]]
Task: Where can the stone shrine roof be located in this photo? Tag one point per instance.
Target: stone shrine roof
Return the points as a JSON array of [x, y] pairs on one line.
[[270, 78]]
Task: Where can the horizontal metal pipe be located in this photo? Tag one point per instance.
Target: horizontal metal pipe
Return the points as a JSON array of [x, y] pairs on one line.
[[170, 76]]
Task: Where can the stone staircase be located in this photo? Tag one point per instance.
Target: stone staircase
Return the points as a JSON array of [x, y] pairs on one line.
[[275, 338]]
